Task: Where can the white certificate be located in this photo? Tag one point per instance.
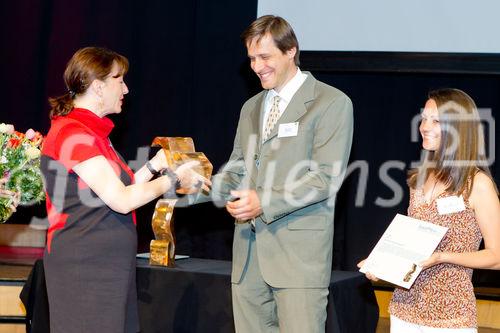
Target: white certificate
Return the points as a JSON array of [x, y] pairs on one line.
[[405, 243]]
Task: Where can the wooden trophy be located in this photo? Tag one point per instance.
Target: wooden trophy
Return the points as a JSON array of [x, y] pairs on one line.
[[178, 150]]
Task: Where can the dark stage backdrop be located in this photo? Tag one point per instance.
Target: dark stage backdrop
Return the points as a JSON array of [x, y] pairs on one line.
[[189, 77]]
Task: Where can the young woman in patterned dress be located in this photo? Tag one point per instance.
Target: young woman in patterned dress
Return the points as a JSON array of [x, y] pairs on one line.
[[442, 297]]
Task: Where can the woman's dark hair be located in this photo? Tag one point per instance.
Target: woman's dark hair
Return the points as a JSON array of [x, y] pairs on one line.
[[86, 65]]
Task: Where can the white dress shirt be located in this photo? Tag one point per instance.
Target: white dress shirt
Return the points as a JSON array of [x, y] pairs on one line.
[[285, 95]]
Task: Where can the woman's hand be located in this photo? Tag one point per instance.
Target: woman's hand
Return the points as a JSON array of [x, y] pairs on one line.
[[13, 196], [159, 161], [368, 275], [190, 180], [434, 259]]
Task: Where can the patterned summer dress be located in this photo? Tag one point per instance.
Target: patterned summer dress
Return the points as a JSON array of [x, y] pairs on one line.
[[442, 295]]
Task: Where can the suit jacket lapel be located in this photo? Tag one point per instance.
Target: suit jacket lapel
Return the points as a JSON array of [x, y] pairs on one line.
[[255, 116], [297, 106], [251, 136]]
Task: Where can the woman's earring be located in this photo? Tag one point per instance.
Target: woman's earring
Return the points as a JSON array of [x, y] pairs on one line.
[[101, 104]]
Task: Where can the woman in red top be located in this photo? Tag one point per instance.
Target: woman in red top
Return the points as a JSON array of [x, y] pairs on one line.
[[91, 196]]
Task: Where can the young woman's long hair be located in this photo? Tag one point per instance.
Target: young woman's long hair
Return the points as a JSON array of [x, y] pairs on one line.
[[461, 153]]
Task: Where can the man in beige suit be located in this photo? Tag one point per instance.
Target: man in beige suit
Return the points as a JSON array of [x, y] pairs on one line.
[[288, 161]]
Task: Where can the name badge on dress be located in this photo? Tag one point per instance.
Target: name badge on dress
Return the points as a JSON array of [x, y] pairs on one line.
[[287, 130], [451, 204]]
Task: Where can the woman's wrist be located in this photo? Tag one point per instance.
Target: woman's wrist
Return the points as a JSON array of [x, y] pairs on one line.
[[175, 182], [154, 171], [444, 257]]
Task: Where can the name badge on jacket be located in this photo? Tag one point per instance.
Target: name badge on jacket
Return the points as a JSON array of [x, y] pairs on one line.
[[451, 204], [287, 130]]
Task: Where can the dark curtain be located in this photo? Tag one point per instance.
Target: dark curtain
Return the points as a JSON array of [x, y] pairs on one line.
[[189, 77]]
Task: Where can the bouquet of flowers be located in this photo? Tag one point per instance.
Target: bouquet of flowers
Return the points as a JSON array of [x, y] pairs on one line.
[[20, 176]]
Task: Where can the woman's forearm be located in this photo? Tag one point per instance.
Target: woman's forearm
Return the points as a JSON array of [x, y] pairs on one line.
[[483, 259], [139, 194]]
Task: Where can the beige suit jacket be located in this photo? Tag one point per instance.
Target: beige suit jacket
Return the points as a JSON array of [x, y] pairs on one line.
[[296, 179]]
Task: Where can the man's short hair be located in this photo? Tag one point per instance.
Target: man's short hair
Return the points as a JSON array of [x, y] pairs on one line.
[[281, 31]]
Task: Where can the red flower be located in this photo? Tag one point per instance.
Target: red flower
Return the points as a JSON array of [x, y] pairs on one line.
[[19, 135], [13, 143]]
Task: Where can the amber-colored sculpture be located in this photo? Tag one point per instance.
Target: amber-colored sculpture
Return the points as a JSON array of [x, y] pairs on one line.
[[178, 150], [408, 275], [162, 249]]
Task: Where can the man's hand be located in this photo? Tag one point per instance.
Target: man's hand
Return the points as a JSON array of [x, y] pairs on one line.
[[246, 206]]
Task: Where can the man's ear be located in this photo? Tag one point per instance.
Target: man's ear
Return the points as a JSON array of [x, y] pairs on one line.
[[291, 53]]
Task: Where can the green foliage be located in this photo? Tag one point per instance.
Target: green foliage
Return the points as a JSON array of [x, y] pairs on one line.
[[20, 176], [5, 211], [28, 182]]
